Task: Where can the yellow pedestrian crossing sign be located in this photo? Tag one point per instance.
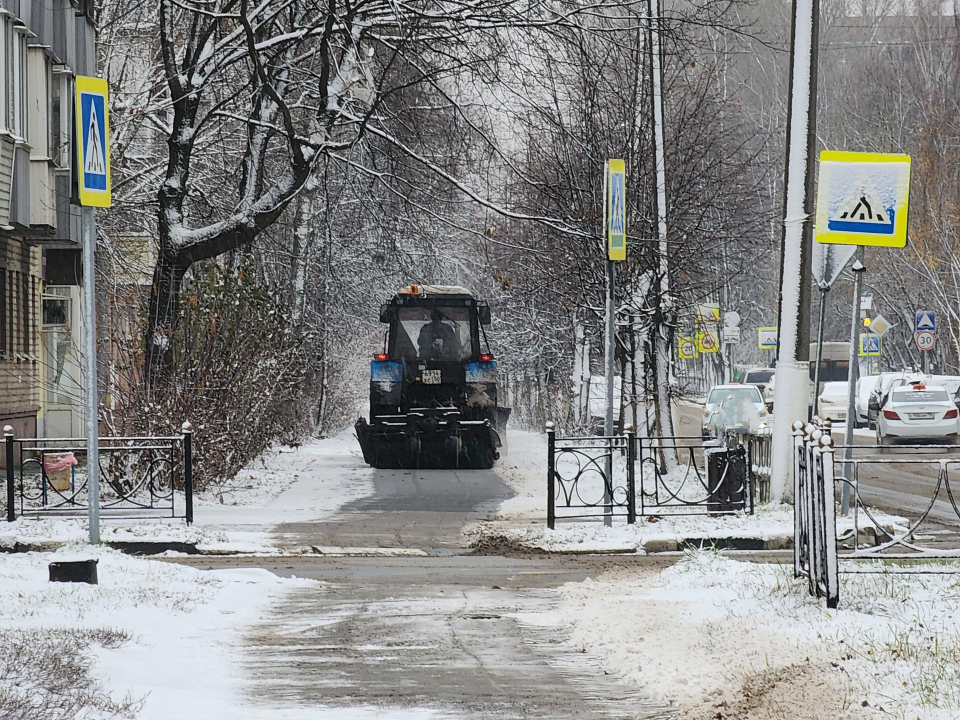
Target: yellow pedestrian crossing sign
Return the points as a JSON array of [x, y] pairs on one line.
[[616, 210], [862, 199], [93, 141], [870, 345]]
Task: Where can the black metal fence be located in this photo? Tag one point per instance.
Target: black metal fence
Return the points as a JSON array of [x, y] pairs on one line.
[[626, 476], [590, 477], [820, 475], [139, 476], [815, 540]]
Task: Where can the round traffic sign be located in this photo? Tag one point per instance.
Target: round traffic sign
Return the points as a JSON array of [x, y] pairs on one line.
[[687, 348], [708, 342], [731, 318], [925, 340]]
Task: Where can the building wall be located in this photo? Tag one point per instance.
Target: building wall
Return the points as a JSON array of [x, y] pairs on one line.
[[20, 363], [44, 44]]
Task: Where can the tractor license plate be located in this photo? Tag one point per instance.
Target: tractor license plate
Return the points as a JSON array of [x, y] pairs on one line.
[[431, 377], [920, 416]]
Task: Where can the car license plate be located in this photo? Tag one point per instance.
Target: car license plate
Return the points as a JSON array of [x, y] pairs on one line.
[[920, 416], [431, 377], [841, 416]]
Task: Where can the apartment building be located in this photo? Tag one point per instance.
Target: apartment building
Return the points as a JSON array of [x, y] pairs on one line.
[[44, 44]]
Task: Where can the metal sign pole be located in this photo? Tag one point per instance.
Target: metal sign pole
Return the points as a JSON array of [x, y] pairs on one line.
[[88, 232], [824, 289], [852, 375]]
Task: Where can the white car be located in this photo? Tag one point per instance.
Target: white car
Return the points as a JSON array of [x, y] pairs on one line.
[[918, 413], [719, 394], [832, 403]]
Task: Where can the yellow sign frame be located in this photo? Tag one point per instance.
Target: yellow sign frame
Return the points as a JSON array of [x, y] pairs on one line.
[[863, 350], [686, 340], [768, 329], [97, 88], [615, 206], [714, 345], [888, 167]]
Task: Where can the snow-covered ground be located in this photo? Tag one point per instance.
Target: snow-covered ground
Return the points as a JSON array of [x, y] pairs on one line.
[[160, 635], [284, 485], [718, 638]]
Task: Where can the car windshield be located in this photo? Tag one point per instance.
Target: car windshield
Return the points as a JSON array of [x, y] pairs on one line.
[[835, 388], [909, 395], [750, 394], [440, 333], [759, 376]]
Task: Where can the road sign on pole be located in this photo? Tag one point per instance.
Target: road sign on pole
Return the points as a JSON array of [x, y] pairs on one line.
[[616, 210], [926, 320], [93, 142], [93, 180], [862, 199], [870, 345], [767, 338], [707, 340], [925, 340], [686, 348], [731, 335], [708, 313], [880, 325], [829, 261]]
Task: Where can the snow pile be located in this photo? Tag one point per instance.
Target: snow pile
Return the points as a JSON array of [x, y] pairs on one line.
[[29, 531], [772, 524], [144, 635], [720, 638]]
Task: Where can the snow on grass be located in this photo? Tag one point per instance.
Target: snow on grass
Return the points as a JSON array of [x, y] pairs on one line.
[[697, 634], [145, 635]]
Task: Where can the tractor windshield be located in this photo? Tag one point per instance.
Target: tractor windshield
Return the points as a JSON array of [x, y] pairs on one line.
[[437, 333]]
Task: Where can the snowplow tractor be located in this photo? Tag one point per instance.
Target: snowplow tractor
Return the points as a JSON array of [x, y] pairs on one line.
[[433, 391]]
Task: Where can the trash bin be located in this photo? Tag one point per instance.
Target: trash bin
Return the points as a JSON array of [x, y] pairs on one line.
[[58, 467], [727, 479]]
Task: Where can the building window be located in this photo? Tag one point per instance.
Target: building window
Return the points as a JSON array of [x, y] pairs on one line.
[[13, 71]]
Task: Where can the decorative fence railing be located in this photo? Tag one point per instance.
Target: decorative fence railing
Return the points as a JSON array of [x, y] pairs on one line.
[[815, 542], [625, 475], [823, 540], [142, 476]]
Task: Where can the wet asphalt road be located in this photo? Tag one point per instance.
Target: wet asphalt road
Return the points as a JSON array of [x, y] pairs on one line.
[[445, 630]]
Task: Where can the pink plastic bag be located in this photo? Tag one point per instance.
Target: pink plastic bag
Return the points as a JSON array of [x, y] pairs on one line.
[[59, 461]]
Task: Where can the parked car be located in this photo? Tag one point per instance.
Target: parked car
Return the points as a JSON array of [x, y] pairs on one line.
[[886, 382], [759, 377], [832, 403], [723, 410], [918, 413], [865, 388]]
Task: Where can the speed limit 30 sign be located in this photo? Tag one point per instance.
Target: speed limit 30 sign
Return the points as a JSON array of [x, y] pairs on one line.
[[925, 340]]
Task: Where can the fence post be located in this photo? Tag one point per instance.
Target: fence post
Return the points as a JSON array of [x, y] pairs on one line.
[[11, 474], [832, 579], [187, 429], [631, 474], [551, 481], [798, 505]]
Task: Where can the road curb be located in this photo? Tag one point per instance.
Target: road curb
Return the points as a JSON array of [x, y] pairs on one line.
[[722, 543]]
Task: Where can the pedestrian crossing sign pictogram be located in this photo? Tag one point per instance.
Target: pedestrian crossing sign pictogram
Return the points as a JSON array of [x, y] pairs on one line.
[[616, 210], [93, 141], [862, 199], [870, 345]]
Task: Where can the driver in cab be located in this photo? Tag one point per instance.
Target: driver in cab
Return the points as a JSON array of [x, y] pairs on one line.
[[437, 340]]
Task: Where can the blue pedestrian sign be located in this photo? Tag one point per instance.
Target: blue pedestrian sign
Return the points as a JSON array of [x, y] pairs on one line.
[[93, 142], [926, 320], [869, 345], [616, 210]]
